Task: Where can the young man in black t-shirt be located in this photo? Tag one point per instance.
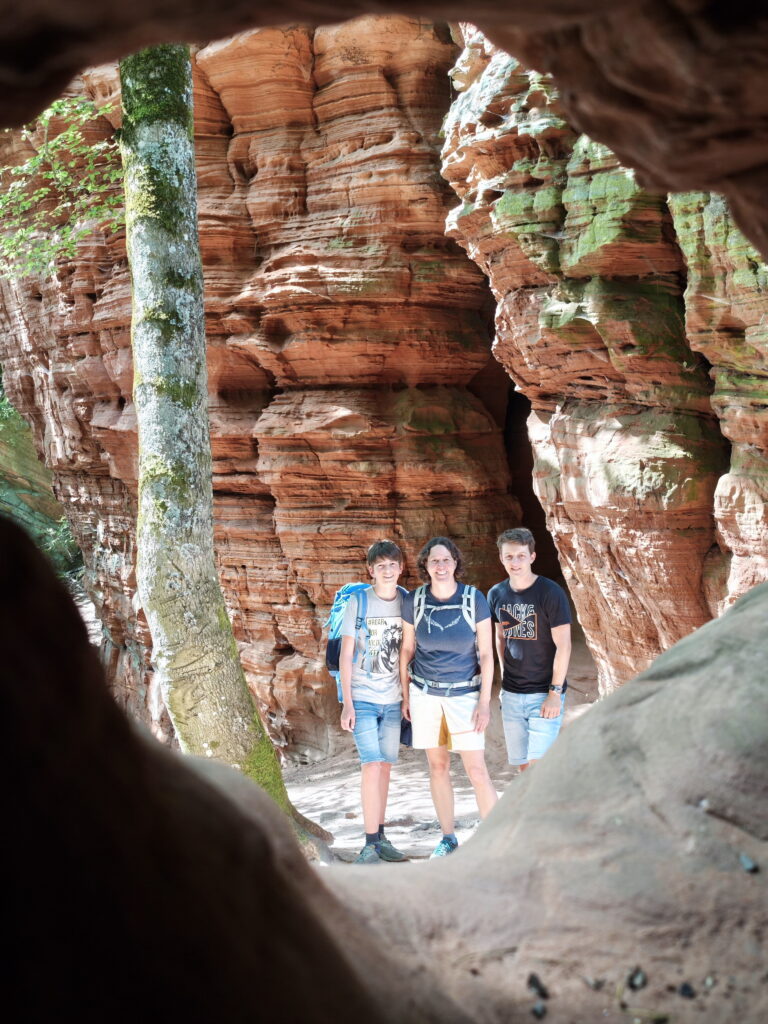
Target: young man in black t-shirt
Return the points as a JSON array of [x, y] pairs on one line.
[[533, 644]]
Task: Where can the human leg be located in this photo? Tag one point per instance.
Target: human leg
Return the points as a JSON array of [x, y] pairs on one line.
[[370, 794], [387, 851], [542, 732], [384, 779], [427, 719], [465, 740], [373, 735], [389, 744], [514, 718], [477, 773], [441, 787], [389, 739]]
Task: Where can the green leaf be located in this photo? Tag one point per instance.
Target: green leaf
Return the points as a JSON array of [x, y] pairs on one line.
[[62, 192]]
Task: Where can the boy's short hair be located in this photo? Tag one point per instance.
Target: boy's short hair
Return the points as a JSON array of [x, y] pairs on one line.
[[517, 536], [453, 550], [384, 549]]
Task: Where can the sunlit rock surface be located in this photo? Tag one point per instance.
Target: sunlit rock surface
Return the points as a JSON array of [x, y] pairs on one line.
[[656, 529], [344, 330], [726, 312]]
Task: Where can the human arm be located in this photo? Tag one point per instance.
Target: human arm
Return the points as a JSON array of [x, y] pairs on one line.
[[345, 675], [481, 716], [407, 650], [561, 637], [500, 643]]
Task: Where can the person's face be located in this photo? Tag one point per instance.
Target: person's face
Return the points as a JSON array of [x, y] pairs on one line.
[[441, 565], [385, 571], [517, 560]]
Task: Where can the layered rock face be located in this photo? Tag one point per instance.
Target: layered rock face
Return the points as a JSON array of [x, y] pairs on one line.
[[612, 307], [344, 334], [349, 392], [726, 307]]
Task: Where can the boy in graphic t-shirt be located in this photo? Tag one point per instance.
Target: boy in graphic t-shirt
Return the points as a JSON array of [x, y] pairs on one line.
[[369, 667], [533, 644]]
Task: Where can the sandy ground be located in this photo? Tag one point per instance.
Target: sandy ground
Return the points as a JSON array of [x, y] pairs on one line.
[[328, 792]]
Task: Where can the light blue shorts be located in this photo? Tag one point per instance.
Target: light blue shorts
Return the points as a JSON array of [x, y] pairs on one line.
[[377, 731], [528, 735]]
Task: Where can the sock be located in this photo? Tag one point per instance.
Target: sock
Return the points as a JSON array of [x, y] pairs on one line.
[[451, 836], [371, 838], [381, 831]]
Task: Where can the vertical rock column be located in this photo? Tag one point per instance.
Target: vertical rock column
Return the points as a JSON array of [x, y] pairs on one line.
[[726, 314], [590, 325], [363, 316]]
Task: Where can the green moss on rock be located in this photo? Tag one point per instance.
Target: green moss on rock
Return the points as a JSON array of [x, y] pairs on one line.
[[157, 87]]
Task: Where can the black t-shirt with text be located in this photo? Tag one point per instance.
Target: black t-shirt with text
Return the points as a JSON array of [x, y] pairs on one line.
[[527, 618]]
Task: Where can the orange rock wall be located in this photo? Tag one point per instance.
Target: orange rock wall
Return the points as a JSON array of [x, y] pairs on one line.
[[344, 333], [636, 328], [350, 390]]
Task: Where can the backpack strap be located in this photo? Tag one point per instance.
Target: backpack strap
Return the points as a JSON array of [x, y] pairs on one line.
[[419, 604], [469, 606], [361, 622]]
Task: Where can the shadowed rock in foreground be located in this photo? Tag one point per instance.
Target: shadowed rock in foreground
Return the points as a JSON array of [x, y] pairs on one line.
[[135, 881]]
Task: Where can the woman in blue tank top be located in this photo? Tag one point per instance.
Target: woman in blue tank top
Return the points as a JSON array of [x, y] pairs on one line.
[[446, 670]]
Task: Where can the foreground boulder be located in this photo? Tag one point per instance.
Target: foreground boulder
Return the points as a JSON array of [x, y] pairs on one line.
[[134, 881]]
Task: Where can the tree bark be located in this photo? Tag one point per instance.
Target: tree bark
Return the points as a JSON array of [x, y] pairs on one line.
[[194, 649]]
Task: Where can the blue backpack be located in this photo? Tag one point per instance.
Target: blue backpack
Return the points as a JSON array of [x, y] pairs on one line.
[[334, 622]]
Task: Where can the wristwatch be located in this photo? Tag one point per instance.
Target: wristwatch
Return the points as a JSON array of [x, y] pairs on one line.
[[555, 689]]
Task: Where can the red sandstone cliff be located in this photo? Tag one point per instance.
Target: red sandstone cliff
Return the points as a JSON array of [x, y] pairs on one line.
[[347, 351], [344, 331], [649, 460]]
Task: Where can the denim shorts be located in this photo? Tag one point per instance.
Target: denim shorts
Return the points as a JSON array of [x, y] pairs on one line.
[[527, 734], [377, 731]]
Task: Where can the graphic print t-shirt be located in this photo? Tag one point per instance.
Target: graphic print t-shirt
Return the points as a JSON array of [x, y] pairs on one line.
[[376, 669], [445, 641], [527, 618]]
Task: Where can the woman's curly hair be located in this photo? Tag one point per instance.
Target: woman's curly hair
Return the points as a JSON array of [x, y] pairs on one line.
[[446, 543]]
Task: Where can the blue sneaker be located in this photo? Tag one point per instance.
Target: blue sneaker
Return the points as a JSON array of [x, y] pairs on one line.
[[368, 855], [389, 852], [444, 847]]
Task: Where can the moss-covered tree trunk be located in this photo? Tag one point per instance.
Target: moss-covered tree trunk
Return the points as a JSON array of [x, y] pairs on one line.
[[194, 650]]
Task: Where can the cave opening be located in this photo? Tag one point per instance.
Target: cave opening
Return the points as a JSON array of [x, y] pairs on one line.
[[510, 409]]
